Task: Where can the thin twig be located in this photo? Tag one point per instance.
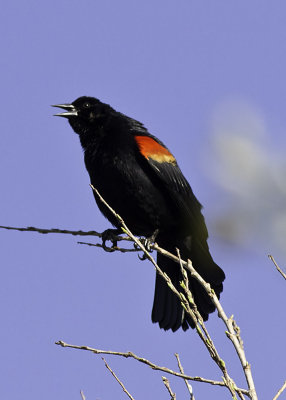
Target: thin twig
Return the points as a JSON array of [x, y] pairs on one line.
[[66, 232], [167, 384], [231, 333], [52, 230], [277, 266], [280, 391], [82, 395], [189, 387], [204, 334], [142, 360], [115, 248], [118, 380], [75, 233]]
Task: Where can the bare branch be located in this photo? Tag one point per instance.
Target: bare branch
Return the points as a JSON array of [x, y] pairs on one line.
[[53, 230], [280, 391], [77, 233], [232, 334], [189, 387], [205, 336], [118, 380], [167, 384], [115, 248], [82, 395], [277, 266], [142, 360]]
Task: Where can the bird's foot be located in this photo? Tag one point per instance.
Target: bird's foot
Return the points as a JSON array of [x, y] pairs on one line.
[[110, 235], [147, 242]]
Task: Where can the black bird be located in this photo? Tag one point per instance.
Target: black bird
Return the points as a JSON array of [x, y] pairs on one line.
[[140, 179]]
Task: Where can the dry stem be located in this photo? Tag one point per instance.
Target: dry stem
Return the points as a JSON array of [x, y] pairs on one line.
[[118, 380], [277, 266], [189, 387], [167, 384], [280, 391], [142, 360]]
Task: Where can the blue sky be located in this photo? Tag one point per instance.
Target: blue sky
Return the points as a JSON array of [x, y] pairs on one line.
[[207, 78]]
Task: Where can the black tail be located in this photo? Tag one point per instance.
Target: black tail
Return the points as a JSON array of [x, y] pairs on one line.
[[167, 309]]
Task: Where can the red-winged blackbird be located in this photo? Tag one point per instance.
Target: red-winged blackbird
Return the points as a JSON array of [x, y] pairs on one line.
[[140, 179]]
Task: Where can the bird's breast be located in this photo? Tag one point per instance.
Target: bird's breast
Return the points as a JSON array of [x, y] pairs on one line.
[[129, 190]]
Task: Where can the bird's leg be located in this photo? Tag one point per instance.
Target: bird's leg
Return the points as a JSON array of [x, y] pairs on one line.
[[147, 243], [110, 235]]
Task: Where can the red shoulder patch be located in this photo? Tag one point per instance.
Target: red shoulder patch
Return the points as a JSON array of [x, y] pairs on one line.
[[149, 148]]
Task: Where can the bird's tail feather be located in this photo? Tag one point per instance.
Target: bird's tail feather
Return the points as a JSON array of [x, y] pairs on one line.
[[167, 309]]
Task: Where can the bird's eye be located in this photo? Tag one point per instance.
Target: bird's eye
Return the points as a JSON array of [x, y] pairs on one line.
[[86, 105]]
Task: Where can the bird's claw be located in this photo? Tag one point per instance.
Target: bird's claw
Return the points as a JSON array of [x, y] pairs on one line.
[[109, 235], [143, 257], [147, 242], [137, 247]]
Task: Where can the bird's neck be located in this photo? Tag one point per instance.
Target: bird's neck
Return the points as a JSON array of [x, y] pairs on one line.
[[90, 140]]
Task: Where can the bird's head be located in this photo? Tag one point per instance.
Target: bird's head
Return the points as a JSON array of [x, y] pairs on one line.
[[84, 113]]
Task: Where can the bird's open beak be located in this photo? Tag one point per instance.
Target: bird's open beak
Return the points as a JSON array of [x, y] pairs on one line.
[[70, 110]]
